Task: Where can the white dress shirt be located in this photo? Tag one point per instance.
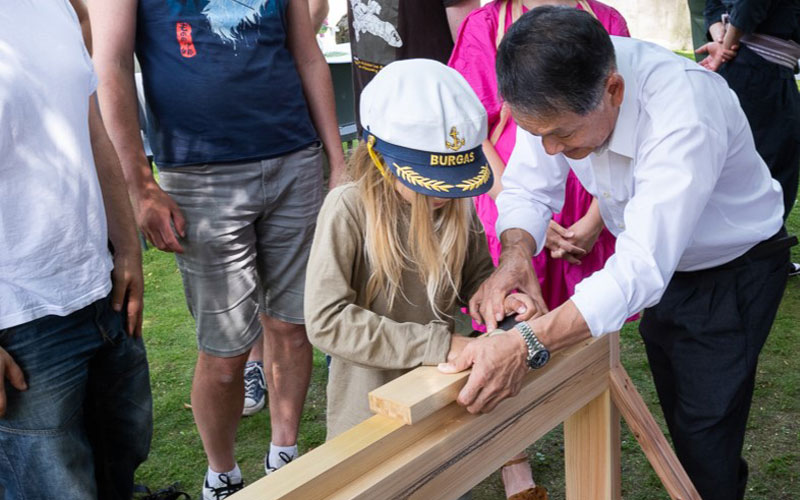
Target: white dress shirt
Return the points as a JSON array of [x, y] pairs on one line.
[[680, 184]]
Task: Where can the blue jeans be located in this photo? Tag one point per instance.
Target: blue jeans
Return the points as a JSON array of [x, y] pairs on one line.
[[85, 422]]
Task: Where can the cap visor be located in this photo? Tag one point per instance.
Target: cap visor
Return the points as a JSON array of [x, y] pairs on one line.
[[441, 180]]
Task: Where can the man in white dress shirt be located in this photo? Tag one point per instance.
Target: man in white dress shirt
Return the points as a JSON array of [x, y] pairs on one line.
[[665, 147]]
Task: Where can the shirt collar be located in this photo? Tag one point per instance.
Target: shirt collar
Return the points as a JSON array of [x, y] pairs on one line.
[[623, 137]]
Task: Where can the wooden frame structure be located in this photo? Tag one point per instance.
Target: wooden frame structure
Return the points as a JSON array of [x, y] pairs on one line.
[[422, 445]]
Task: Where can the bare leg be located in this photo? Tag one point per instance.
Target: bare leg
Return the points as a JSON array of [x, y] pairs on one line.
[[217, 400], [257, 352], [517, 477], [287, 366]]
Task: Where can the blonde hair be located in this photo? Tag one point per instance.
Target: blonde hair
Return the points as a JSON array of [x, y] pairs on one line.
[[436, 245]]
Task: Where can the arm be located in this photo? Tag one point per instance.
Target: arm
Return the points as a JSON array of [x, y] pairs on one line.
[[128, 283], [497, 165], [317, 85], [114, 28], [335, 321], [533, 188], [675, 171], [457, 11], [83, 18], [746, 15], [318, 9]]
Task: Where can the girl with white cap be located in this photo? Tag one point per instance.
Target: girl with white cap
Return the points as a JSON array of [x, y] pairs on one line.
[[397, 252]]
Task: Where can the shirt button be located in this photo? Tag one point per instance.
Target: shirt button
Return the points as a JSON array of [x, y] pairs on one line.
[[606, 194], [621, 225]]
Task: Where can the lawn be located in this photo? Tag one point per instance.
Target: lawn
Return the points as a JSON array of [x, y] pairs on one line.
[[772, 445]]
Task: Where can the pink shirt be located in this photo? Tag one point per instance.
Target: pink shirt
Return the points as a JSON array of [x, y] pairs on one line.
[[474, 57]]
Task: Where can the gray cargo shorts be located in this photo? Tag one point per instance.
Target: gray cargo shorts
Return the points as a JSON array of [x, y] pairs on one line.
[[249, 227]]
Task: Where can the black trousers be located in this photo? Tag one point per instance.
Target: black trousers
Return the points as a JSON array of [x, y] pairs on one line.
[[703, 340], [770, 100]]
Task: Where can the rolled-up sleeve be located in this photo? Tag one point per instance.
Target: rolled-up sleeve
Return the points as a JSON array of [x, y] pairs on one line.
[[748, 14], [533, 188], [678, 163]]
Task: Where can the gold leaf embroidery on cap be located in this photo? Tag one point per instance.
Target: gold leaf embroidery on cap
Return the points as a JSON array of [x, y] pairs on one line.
[[457, 143], [416, 179], [477, 181]]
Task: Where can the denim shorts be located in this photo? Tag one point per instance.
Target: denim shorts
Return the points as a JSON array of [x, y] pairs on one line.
[[249, 227], [84, 425]]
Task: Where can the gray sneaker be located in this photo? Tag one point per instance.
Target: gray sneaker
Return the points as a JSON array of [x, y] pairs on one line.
[[255, 389]]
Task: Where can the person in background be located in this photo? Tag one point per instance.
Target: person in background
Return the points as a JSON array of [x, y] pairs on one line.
[[755, 48], [382, 31], [240, 98], [578, 227], [75, 403], [255, 385]]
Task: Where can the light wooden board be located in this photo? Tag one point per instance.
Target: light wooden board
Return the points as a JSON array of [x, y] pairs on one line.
[[417, 394], [650, 438], [449, 452], [591, 451]]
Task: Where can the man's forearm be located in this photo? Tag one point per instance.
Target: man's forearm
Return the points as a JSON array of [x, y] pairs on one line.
[[517, 242], [717, 31], [732, 37], [119, 214], [561, 327]]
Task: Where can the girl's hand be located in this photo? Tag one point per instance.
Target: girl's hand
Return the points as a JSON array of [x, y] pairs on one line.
[[457, 344], [522, 304]]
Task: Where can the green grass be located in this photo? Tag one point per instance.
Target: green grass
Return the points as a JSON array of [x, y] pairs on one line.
[[772, 446]]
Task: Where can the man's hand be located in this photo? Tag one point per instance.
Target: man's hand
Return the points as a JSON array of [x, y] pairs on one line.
[[457, 345], [128, 282], [11, 371], [487, 305], [717, 55], [156, 214], [499, 363]]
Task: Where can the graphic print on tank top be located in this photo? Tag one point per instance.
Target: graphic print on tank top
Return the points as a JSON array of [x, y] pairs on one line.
[[226, 18]]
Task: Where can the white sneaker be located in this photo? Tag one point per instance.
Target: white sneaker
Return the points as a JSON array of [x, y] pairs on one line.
[[283, 459], [226, 489], [255, 389]]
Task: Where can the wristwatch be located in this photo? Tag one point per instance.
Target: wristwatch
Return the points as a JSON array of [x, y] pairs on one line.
[[538, 355]]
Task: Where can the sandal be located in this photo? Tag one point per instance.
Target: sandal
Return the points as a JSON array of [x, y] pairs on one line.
[[535, 493]]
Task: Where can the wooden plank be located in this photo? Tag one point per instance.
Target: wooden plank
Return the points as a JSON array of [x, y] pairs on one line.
[[449, 452], [417, 394], [616, 456], [591, 448], [459, 453], [651, 439]]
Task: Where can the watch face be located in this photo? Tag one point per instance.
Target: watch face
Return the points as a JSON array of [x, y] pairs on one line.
[[539, 359]]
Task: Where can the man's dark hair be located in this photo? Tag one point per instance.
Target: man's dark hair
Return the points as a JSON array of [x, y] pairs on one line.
[[554, 59]]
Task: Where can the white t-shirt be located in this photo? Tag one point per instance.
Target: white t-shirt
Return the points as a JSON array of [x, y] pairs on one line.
[[54, 257]]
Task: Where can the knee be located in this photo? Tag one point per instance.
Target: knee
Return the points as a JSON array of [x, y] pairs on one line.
[[220, 371], [286, 335]]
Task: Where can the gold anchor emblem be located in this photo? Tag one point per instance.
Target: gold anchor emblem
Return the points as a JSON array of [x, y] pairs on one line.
[[457, 143]]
